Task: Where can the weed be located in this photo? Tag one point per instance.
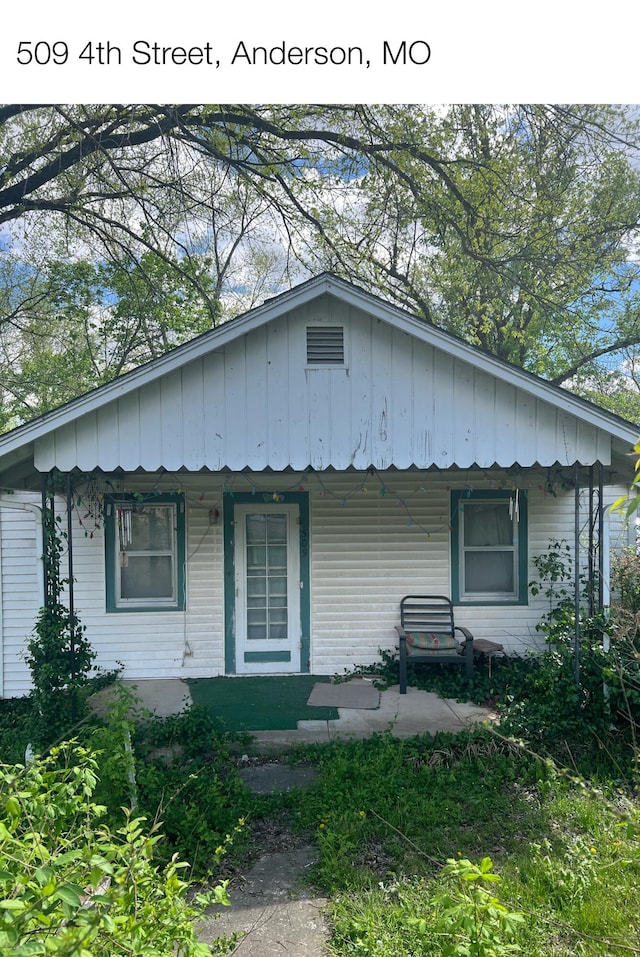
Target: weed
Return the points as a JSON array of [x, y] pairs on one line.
[[186, 778], [468, 919]]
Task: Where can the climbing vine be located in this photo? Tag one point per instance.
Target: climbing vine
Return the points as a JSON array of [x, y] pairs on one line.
[[59, 654]]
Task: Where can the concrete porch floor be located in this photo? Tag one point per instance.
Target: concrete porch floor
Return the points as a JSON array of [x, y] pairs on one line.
[[417, 712]]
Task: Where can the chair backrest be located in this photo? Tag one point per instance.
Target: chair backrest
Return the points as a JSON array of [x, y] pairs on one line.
[[430, 613]]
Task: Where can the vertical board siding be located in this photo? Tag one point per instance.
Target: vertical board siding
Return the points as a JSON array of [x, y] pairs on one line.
[[213, 413], [396, 402]]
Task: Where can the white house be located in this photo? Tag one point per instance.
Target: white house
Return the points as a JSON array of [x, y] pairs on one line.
[[260, 499]]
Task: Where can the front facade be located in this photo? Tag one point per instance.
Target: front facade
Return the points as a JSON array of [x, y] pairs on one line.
[[261, 499]]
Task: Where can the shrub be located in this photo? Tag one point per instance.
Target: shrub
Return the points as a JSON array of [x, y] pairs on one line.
[[59, 654], [15, 722], [70, 886]]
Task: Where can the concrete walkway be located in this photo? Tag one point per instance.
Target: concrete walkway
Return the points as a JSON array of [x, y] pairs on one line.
[[273, 909], [417, 712]]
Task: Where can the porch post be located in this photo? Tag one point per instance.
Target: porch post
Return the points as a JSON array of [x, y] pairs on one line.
[[48, 530], [596, 553], [576, 575], [72, 635], [43, 519], [603, 551], [591, 547]]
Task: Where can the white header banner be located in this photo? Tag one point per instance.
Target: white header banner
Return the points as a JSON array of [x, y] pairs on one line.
[[287, 52]]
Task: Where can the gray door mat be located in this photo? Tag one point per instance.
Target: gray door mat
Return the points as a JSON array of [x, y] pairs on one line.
[[347, 694]]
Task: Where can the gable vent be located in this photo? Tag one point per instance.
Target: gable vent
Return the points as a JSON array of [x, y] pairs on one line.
[[325, 345]]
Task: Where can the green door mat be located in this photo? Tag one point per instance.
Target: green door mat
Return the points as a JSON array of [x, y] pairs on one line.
[[260, 703]]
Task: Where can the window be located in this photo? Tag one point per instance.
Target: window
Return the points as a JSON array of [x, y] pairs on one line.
[[489, 547], [145, 550], [325, 345]]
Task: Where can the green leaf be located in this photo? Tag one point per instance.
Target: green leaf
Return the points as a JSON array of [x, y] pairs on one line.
[[12, 807], [44, 875], [69, 894], [15, 905]]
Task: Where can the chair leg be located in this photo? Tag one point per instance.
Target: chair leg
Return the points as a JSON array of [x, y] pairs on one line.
[[403, 666], [469, 660]]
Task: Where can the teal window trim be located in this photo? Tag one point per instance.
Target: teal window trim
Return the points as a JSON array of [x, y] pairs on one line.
[[301, 499], [111, 554], [458, 499]]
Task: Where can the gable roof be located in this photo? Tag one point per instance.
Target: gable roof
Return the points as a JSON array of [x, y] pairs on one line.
[[19, 448]]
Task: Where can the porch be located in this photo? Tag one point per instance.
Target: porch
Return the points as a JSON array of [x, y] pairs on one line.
[[403, 716]]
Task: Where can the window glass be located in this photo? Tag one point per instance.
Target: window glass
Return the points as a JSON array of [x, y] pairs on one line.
[[487, 524], [145, 554], [147, 576], [151, 529], [489, 546], [266, 548], [489, 572]]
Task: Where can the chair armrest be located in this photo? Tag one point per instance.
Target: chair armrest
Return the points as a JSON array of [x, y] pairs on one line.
[[401, 632], [464, 631]]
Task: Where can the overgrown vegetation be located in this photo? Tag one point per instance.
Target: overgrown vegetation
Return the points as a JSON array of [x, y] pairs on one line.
[[59, 654], [406, 828], [71, 886], [523, 838]]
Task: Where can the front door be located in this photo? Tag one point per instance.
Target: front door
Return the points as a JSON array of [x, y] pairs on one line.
[[267, 588]]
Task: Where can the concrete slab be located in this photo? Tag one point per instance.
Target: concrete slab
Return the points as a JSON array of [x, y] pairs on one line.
[[272, 909], [417, 712], [161, 696], [403, 716], [272, 777]]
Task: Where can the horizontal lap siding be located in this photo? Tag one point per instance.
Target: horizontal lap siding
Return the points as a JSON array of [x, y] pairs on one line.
[[20, 591], [366, 557], [368, 549], [159, 644]]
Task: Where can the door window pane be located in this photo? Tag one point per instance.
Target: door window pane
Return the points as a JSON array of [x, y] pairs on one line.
[[266, 569]]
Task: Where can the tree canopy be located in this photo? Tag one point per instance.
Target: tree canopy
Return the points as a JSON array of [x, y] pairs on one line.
[[128, 228]]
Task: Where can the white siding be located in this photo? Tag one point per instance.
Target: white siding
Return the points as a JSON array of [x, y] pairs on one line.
[[159, 644], [398, 401], [367, 549], [20, 588], [364, 566]]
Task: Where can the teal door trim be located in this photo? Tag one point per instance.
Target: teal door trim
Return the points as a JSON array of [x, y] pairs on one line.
[[230, 500]]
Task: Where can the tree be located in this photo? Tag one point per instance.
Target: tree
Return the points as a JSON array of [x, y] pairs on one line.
[[514, 227], [521, 239]]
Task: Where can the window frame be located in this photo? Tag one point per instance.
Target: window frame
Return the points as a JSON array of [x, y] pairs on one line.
[[114, 602], [520, 547]]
